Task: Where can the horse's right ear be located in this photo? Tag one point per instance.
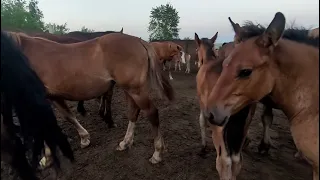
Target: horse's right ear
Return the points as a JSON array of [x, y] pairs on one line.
[[237, 30], [197, 40], [273, 33], [121, 31]]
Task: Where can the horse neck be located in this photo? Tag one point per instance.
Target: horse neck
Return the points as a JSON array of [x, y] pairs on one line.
[[295, 69]]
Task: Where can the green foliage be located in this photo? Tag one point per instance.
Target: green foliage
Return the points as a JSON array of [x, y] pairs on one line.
[[57, 29], [84, 29], [163, 23], [25, 16], [18, 14]]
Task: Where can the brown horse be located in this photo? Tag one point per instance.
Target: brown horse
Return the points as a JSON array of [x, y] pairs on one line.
[[74, 37], [85, 70], [267, 115], [229, 138], [285, 67], [166, 51]]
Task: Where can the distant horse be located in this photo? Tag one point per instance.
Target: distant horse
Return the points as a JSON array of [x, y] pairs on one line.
[[282, 64], [74, 37], [177, 63], [166, 51], [314, 33], [88, 69], [23, 90], [228, 138]]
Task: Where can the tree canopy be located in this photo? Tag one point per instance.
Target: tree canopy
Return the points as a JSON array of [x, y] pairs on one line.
[[164, 21]]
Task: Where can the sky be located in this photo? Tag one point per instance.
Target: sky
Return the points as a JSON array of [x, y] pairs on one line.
[[205, 17]]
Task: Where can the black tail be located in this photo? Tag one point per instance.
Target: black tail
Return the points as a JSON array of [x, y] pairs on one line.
[[22, 87]]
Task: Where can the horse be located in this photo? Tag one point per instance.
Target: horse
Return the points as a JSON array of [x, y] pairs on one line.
[[22, 89], [75, 37], [166, 51], [177, 63], [314, 33], [88, 69], [276, 63], [229, 138]]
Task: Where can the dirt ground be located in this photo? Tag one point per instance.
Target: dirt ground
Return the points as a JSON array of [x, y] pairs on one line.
[[179, 124]]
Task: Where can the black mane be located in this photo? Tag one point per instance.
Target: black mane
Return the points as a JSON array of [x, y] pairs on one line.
[[298, 34]]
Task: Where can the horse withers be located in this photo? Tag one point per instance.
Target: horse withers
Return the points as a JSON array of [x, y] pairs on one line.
[[229, 137], [85, 70], [267, 61]]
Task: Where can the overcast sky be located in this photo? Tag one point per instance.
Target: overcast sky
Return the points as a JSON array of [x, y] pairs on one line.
[[205, 17]]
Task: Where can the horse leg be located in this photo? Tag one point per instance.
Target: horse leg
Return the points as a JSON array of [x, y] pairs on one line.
[[81, 109], [69, 116], [133, 113], [179, 64], [102, 106], [164, 65], [143, 101], [307, 141], [202, 122], [107, 104], [267, 119], [223, 159], [46, 160], [170, 76]]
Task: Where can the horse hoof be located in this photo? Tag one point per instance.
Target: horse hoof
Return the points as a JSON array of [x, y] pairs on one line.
[[203, 152], [44, 163], [85, 143], [154, 160], [123, 146]]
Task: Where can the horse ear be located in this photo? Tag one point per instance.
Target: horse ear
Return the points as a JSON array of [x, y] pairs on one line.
[[237, 29], [121, 31], [273, 33], [197, 40], [179, 48], [214, 38]]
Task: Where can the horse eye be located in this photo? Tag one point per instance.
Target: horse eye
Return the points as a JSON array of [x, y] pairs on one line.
[[244, 73]]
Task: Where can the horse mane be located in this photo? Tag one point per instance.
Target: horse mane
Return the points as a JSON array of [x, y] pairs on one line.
[[297, 34], [23, 89]]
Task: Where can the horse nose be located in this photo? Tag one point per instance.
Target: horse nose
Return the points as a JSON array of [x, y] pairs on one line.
[[219, 116]]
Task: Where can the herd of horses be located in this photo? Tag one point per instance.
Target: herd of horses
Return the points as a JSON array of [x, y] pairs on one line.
[[275, 66]]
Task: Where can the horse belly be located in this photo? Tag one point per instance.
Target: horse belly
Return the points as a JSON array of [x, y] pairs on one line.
[[83, 87]]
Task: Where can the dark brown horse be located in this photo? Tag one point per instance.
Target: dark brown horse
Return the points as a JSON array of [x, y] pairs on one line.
[[283, 65], [85, 70], [228, 138]]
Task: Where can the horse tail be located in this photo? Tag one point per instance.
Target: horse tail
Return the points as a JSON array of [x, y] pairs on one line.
[[155, 76]]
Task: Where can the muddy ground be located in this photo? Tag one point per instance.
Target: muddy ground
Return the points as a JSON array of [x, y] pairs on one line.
[[179, 124]]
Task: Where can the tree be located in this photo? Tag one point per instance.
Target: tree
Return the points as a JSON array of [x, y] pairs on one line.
[[20, 15], [57, 29], [163, 23], [84, 29]]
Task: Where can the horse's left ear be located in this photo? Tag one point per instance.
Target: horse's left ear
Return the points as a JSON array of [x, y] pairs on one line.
[[214, 38], [121, 31], [273, 33], [179, 48]]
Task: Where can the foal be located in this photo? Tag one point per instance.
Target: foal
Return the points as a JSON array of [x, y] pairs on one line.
[[228, 138], [285, 67]]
